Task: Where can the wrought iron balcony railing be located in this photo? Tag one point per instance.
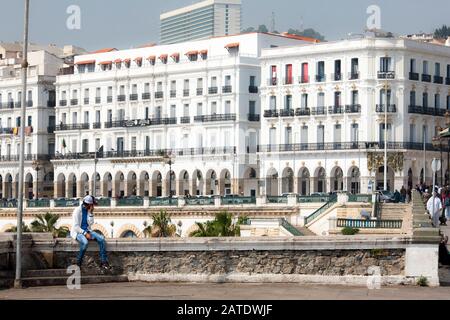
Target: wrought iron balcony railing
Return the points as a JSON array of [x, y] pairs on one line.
[[426, 77], [253, 117], [414, 76], [302, 112], [215, 117], [386, 74], [272, 113], [391, 108]]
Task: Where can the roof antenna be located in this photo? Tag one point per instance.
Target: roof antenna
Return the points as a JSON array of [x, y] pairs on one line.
[[272, 23]]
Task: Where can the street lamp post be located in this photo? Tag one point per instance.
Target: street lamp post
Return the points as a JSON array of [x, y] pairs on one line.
[[437, 143], [168, 160], [18, 276], [36, 166]]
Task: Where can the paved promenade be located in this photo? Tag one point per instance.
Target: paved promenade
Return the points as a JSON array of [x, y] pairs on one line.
[[177, 291]]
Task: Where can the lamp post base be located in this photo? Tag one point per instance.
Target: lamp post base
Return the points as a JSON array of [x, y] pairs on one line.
[[18, 284]]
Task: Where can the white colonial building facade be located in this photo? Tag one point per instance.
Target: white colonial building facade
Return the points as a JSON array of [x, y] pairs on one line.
[[323, 114], [173, 119]]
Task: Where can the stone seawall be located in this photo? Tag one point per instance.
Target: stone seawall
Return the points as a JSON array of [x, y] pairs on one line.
[[351, 260]]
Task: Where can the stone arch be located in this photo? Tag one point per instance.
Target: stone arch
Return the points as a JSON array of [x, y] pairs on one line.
[[354, 180], [129, 227], [250, 185], [72, 186], [131, 184], [84, 184], [380, 178], [119, 185], [303, 183], [183, 183], [144, 184], [287, 181], [29, 184], [411, 177], [337, 179], [6, 227], [197, 182], [212, 183], [272, 182], [102, 229], [107, 185], [320, 180], [225, 182], [61, 190]]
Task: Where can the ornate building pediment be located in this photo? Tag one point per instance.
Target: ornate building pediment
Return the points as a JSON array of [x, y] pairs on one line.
[[376, 159]]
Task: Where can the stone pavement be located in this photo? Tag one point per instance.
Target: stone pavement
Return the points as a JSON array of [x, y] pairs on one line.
[[196, 291]]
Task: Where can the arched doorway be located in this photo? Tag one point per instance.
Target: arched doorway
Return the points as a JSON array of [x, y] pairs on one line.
[[8, 186], [410, 178], [272, 182], [119, 185], [197, 182], [337, 179], [183, 183], [225, 182], [321, 180], [84, 184], [171, 184], [156, 184], [72, 187], [380, 178], [212, 184], [61, 186], [98, 186], [128, 234], [304, 182], [287, 181], [251, 182], [131, 189], [144, 179], [354, 180], [29, 186], [107, 185]]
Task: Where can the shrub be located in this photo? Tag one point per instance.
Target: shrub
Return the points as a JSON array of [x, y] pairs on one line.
[[348, 231], [422, 281]]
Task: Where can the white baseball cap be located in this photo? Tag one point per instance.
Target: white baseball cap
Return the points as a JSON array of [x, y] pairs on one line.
[[89, 200]]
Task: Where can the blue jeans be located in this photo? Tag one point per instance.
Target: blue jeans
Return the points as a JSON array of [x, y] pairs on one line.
[[84, 245]]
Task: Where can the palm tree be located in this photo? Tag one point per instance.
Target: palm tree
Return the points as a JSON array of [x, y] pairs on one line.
[[162, 225], [47, 223], [221, 226], [25, 228]]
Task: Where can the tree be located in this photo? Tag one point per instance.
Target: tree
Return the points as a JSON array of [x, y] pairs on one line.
[[47, 223], [221, 226], [262, 28], [310, 33], [249, 30], [442, 33], [162, 226], [25, 228]]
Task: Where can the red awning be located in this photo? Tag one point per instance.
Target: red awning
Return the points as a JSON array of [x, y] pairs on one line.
[[175, 55], [118, 61], [151, 58], [105, 62], [192, 53], [127, 60], [85, 62], [138, 59], [163, 56], [232, 45], [203, 51]]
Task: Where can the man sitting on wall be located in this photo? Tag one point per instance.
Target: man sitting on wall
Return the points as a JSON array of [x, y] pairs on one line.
[[82, 220]]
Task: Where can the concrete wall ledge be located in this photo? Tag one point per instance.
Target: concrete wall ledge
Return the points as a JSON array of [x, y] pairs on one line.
[[348, 280]]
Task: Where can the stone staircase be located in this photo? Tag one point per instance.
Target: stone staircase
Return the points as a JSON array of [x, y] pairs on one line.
[[58, 277], [305, 231]]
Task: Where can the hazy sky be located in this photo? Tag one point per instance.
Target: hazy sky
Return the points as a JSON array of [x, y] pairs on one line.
[[124, 24]]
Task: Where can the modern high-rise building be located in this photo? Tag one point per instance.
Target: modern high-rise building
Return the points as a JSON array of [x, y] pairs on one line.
[[201, 20]]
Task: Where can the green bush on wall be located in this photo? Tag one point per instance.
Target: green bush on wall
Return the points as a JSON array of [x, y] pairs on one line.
[[348, 231]]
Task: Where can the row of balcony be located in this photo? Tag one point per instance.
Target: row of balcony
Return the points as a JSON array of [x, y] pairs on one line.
[[149, 122], [147, 153], [27, 157], [157, 95], [427, 111], [273, 113], [357, 145], [12, 104], [427, 78]]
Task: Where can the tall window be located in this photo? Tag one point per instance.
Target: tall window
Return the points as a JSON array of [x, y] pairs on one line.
[[355, 98], [252, 81], [389, 132], [425, 67], [437, 69], [273, 75], [437, 100], [304, 101], [425, 100], [354, 132], [385, 97], [412, 98], [305, 73], [337, 99], [354, 68], [272, 136], [273, 102], [288, 135], [320, 134], [385, 64], [337, 133], [321, 71], [412, 65], [304, 134], [288, 71], [412, 132], [288, 102], [227, 107], [337, 70], [321, 99], [448, 102], [252, 107]]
